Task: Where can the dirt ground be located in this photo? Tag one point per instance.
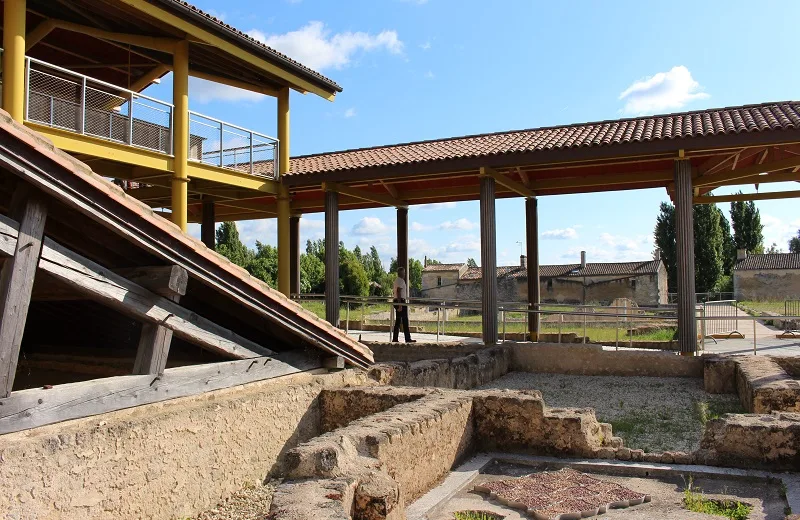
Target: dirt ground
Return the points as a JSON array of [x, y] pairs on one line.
[[649, 413], [666, 503]]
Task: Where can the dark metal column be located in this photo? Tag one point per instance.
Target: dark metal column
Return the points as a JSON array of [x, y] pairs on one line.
[[402, 243], [294, 254], [488, 261], [332, 257], [534, 286], [208, 226], [684, 232]]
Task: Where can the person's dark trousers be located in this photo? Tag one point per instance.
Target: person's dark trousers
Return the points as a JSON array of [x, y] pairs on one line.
[[401, 314]]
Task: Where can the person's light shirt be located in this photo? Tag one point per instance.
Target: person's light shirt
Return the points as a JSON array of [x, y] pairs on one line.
[[400, 290]]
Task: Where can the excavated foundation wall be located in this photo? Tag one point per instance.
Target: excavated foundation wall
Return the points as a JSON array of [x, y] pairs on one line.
[[164, 460]]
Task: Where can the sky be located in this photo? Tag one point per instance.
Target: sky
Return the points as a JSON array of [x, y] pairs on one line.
[[426, 69]]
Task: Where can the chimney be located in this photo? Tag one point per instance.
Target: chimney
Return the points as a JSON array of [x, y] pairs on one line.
[[657, 255], [583, 259], [426, 261], [741, 254], [523, 261]]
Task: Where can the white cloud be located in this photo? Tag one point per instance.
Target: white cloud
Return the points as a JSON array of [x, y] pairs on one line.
[[264, 231], [418, 227], [664, 91], [314, 46], [461, 224], [436, 206], [350, 112], [370, 226], [778, 231], [429, 75], [203, 92], [425, 46], [560, 234]]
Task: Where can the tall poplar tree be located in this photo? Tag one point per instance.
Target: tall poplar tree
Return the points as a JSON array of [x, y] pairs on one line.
[[747, 227]]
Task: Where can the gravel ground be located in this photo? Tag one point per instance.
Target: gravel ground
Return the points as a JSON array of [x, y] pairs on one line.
[[249, 503], [649, 413]]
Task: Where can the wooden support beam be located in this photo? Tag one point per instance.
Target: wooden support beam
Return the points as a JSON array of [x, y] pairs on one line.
[[146, 42], [359, 193], [26, 409], [512, 185], [391, 189], [235, 83], [111, 289], [333, 362], [16, 279], [664, 176], [154, 341], [38, 34], [715, 199], [747, 174]]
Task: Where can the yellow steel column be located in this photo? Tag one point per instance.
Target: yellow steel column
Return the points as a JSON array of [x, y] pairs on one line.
[[284, 214], [14, 58], [180, 134]]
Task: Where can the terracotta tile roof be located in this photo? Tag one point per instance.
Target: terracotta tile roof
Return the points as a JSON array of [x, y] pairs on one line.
[[769, 261], [443, 267], [128, 216], [251, 42], [559, 271], [733, 120]]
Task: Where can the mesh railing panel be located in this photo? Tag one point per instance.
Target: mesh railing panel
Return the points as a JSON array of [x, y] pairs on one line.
[[56, 98], [217, 143]]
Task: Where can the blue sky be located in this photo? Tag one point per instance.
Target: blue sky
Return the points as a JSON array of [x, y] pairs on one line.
[[422, 69]]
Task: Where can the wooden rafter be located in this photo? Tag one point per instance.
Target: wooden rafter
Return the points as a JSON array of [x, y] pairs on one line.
[[715, 199], [747, 172], [362, 194], [511, 184]]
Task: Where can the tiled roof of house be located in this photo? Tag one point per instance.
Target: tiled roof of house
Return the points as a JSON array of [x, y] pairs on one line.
[[442, 267], [769, 261], [733, 120], [252, 42], [557, 271]]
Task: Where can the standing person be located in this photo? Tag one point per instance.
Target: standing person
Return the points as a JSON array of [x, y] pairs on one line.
[[400, 294]]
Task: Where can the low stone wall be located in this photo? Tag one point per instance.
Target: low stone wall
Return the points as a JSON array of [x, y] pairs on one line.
[[163, 460], [719, 374], [752, 441], [388, 352], [462, 373], [764, 386], [592, 360]]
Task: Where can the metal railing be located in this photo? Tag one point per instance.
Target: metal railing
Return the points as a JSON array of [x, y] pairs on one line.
[[727, 309], [225, 145], [621, 326], [63, 99], [66, 100]]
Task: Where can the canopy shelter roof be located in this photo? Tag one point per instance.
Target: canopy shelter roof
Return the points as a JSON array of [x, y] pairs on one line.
[[129, 43], [95, 219], [727, 146]]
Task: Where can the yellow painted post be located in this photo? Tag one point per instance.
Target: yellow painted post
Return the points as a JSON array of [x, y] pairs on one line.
[[180, 134], [14, 58], [284, 213]]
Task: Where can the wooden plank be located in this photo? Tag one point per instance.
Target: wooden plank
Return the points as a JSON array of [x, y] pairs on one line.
[[511, 184], [111, 289], [358, 193], [748, 174], [16, 279], [166, 280], [333, 362], [36, 407], [155, 340]]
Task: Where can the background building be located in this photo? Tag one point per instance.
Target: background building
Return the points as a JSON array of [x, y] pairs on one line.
[[644, 282], [766, 277]]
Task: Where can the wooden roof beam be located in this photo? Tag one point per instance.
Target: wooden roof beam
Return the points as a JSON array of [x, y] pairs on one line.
[[747, 172], [740, 197], [511, 184], [358, 193], [146, 42], [603, 180]]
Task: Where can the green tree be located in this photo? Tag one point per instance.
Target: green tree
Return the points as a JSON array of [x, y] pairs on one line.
[[353, 279], [747, 227], [728, 245], [773, 249], [230, 245], [316, 248], [794, 243], [264, 264], [664, 235], [471, 263], [312, 274], [708, 247]]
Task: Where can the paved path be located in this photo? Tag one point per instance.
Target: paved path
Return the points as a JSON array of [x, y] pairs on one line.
[[766, 341]]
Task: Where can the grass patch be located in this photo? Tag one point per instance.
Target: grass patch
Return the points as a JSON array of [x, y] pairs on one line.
[[707, 410], [696, 502], [777, 307], [476, 515]]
